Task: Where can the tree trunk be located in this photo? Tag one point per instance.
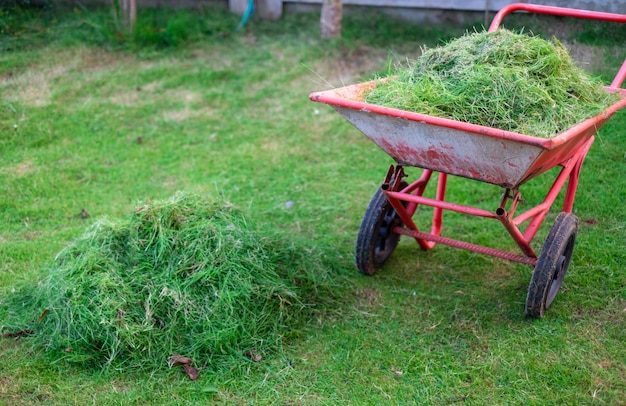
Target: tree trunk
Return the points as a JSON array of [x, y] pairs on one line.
[[330, 21], [126, 11]]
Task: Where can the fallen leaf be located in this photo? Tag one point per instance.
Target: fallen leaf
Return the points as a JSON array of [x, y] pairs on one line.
[[191, 371], [18, 334], [43, 314], [253, 355], [179, 360]]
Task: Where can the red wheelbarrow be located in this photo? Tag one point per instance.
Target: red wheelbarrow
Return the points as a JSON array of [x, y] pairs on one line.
[[480, 153]]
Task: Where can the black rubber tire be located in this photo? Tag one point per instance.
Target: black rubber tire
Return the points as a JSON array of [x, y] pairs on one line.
[[552, 264], [376, 240]]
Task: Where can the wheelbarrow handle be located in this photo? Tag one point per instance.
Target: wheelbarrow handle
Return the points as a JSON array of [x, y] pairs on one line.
[[565, 12]]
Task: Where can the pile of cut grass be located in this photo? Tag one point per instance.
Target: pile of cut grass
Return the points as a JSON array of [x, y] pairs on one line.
[[183, 276], [510, 81]]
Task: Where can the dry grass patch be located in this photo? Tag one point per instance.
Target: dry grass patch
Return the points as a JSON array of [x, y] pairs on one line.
[[350, 67], [31, 88], [34, 86], [22, 169]]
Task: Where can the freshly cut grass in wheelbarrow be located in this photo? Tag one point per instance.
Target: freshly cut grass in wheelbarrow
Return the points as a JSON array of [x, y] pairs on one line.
[[183, 276], [510, 81]]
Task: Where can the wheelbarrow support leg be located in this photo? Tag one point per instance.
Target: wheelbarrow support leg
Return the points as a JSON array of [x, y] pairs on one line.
[[406, 209], [572, 183], [508, 221]]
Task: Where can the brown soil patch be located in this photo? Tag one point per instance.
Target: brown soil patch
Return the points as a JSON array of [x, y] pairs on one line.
[[22, 169], [368, 297]]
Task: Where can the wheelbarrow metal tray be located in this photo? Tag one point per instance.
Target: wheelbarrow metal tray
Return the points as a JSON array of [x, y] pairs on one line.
[[472, 151]]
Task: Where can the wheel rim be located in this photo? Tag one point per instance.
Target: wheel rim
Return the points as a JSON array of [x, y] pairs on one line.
[[560, 270], [385, 233]]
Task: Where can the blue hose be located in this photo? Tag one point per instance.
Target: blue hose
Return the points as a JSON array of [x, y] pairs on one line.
[[246, 15]]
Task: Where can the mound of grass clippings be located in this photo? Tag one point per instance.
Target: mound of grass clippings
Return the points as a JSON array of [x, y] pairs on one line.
[[510, 81], [184, 276]]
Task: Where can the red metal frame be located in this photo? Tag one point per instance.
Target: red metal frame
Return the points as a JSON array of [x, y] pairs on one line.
[[406, 201]]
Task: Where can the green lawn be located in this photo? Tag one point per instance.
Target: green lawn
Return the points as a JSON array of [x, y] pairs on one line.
[[92, 123]]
